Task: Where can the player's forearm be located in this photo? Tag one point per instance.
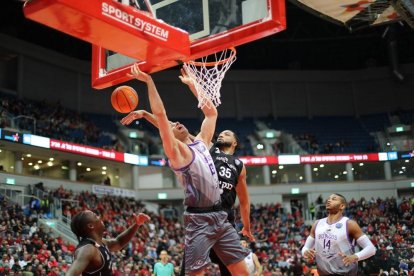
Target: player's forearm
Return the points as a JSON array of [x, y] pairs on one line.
[[150, 118], [245, 213], [156, 104], [124, 238], [260, 270]]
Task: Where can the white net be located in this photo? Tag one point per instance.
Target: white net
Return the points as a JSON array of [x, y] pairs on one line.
[[208, 74]]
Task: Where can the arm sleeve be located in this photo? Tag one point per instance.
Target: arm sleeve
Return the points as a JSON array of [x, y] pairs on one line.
[[309, 244], [368, 249]]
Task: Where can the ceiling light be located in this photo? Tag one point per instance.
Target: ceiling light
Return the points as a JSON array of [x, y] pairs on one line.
[[103, 172], [51, 159], [28, 155], [50, 163], [88, 169], [104, 168], [36, 167], [79, 164], [30, 164], [40, 161]]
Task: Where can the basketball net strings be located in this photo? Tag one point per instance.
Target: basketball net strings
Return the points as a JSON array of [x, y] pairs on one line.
[[207, 80]]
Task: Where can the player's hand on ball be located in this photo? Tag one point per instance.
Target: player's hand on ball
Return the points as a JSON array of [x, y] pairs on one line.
[[134, 115], [309, 254], [141, 218], [138, 74]]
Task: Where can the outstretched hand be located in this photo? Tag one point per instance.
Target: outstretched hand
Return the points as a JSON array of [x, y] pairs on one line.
[[141, 218], [246, 232], [134, 115], [185, 78], [138, 74]]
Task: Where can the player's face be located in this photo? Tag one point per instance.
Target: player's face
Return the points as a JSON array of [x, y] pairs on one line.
[[226, 139], [96, 222], [243, 243], [334, 203], [180, 131]]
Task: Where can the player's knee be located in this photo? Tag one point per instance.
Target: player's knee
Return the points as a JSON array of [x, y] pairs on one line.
[[239, 269]]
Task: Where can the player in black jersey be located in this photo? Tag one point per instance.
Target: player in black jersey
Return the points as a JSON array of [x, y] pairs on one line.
[[93, 253], [232, 177]]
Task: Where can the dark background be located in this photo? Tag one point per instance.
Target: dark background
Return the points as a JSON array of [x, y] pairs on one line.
[[309, 43]]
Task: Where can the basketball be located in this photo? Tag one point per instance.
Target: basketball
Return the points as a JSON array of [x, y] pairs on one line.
[[124, 99]]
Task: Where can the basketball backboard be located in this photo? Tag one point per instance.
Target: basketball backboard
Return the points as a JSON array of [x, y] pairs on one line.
[[212, 25], [156, 33]]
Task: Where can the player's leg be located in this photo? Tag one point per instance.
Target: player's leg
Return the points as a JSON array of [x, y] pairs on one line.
[[229, 250], [215, 259], [199, 239]]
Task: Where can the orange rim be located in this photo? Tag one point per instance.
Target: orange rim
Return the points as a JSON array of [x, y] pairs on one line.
[[214, 63]]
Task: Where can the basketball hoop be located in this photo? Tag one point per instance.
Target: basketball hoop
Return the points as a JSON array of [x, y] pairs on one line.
[[208, 74]]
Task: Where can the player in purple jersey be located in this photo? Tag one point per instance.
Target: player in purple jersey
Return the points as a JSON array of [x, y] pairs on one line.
[[205, 220], [331, 241]]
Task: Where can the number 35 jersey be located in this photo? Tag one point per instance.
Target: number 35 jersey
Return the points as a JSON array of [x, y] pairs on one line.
[[331, 239], [228, 168]]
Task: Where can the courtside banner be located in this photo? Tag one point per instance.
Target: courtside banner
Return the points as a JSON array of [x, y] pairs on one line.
[[12, 136], [259, 160], [338, 158], [86, 150], [113, 191]]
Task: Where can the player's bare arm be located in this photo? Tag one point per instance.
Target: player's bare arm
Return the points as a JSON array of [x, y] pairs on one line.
[[83, 258], [177, 152], [244, 198], [123, 239]]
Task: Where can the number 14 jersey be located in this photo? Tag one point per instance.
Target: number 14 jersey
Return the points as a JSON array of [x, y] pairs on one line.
[[331, 239]]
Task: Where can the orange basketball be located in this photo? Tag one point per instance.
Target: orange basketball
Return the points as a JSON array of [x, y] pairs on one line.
[[124, 99]]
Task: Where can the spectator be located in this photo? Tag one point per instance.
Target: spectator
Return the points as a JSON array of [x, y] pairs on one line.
[[163, 267]]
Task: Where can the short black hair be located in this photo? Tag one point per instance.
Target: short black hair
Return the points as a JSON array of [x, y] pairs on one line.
[[342, 197], [79, 223]]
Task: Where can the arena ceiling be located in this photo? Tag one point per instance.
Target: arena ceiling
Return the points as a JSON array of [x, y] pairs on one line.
[[310, 42]]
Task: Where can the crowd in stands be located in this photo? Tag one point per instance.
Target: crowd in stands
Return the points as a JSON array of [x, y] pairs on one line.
[[309, 142], [52, 120], [280, 235], [55, 121], [26, 248]]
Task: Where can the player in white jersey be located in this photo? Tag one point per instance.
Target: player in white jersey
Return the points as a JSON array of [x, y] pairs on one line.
[[252, 262], [205, 221], [332, 239]]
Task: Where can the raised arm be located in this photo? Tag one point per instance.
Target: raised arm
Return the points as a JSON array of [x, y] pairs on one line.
[[123, 239], [208, 125], [244, 199], [177, 152]]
